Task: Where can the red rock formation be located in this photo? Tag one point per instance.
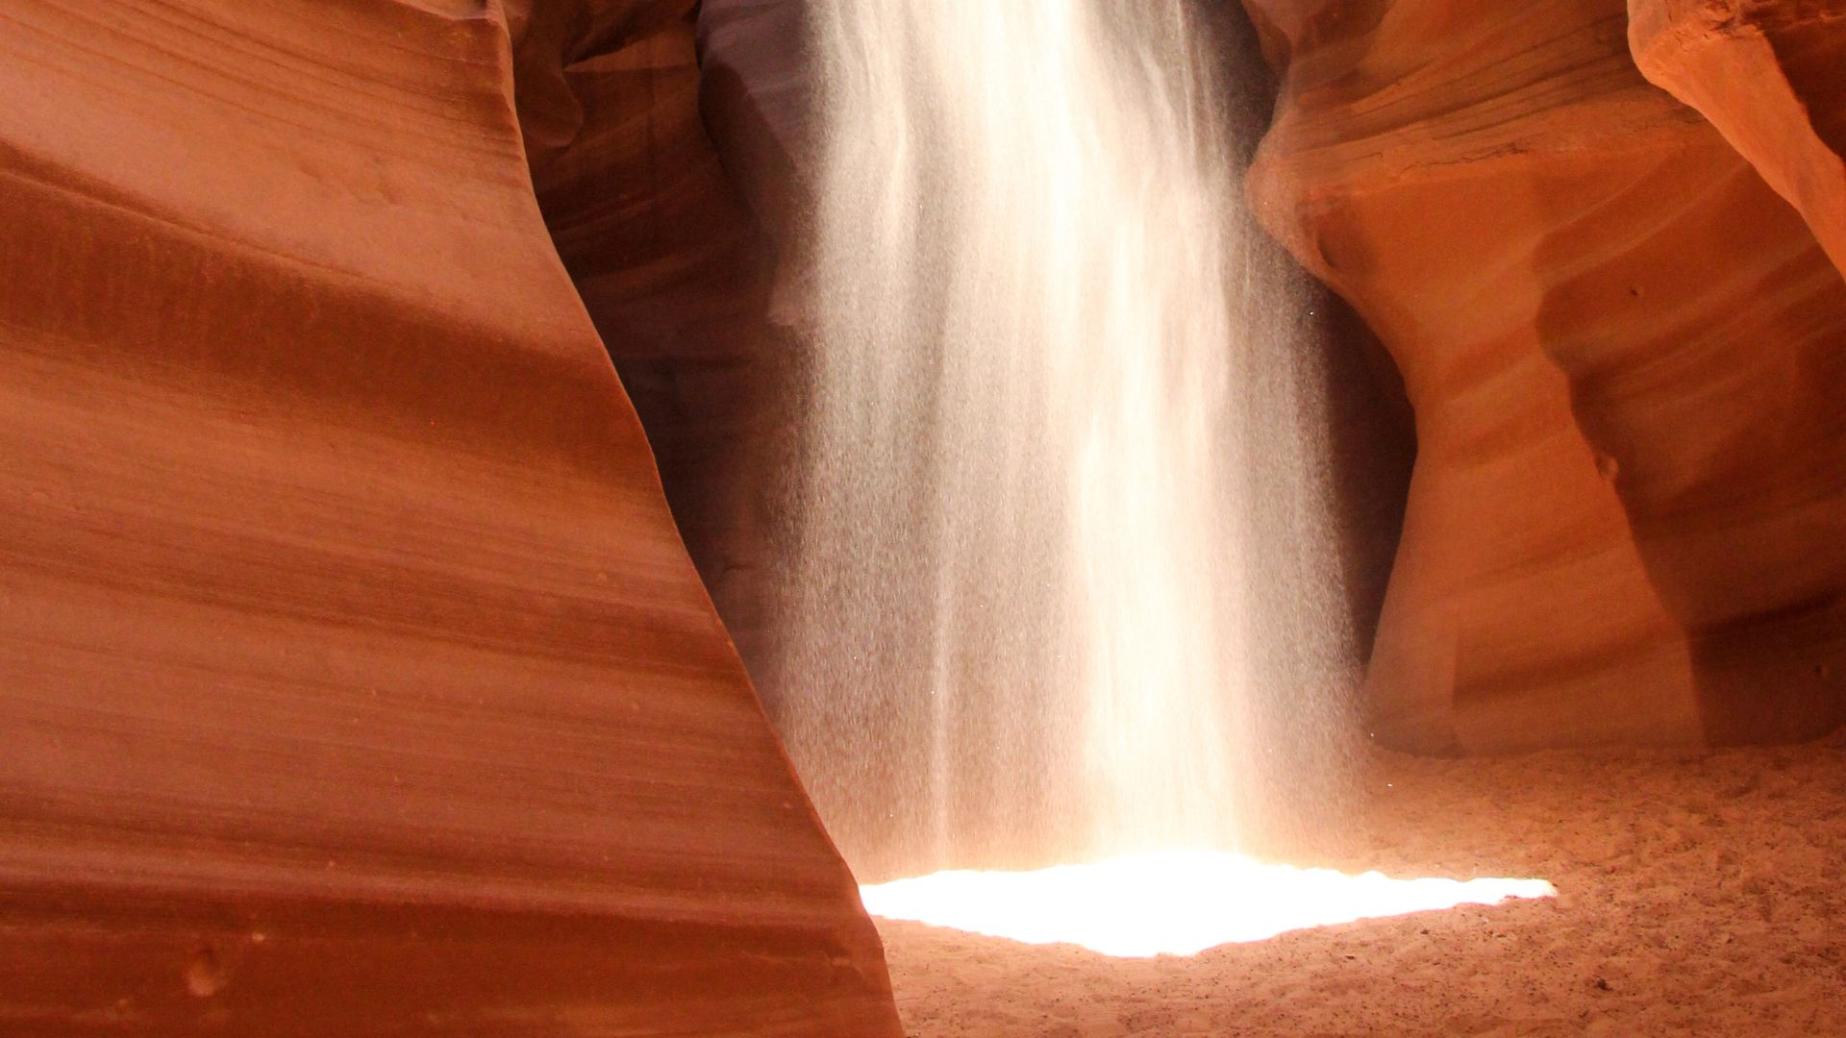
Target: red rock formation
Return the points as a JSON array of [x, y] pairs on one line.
[[1623, 349], [353, 674], [1769, 74]]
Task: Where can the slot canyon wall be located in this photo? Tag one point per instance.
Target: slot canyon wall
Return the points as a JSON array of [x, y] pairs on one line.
[[1769, 76], [354, 677], [1624, 346]]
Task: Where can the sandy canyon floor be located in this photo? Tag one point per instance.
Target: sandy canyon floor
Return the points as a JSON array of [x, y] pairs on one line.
[[1697, 895]]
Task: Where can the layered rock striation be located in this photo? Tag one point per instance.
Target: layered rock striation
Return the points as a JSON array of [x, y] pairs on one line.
[[1623, 349], [355, 678]]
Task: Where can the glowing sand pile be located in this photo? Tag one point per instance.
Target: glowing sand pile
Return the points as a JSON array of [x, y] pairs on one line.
[[1177, 903]]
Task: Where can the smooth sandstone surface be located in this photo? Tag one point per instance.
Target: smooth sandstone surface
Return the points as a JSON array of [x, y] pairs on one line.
[[354, 676], [1623, 349], [1771, 76]]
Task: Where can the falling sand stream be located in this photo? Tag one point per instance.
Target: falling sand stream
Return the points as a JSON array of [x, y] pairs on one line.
[[1062, 582]]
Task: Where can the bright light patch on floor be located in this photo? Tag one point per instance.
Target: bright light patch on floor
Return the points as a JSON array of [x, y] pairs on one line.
[[1170, 904]]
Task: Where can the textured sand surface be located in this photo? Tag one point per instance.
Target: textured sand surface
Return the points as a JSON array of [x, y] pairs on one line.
[[1697, 895]]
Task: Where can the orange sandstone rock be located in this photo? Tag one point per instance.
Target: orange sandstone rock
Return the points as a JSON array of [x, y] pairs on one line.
[[1624, 351], [1770, 75], [353, 675]]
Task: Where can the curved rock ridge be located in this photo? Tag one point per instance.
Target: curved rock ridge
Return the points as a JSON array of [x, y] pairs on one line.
[[354, 676], [1623, 350], [1769, 74]]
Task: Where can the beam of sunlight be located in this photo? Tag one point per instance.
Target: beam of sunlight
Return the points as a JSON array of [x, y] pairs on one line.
[[1175, 903]]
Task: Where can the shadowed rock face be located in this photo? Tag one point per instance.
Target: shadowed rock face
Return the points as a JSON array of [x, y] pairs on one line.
[[670, 265], [1623, 348], [354, 677]]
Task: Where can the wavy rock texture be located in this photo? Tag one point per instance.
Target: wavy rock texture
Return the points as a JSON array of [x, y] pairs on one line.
[[1624, 353], [1769, 74], [354, 677]]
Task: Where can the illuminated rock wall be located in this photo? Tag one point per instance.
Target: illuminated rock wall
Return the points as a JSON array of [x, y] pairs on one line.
[[1771, 76], [1624, 350], [354, 677]]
